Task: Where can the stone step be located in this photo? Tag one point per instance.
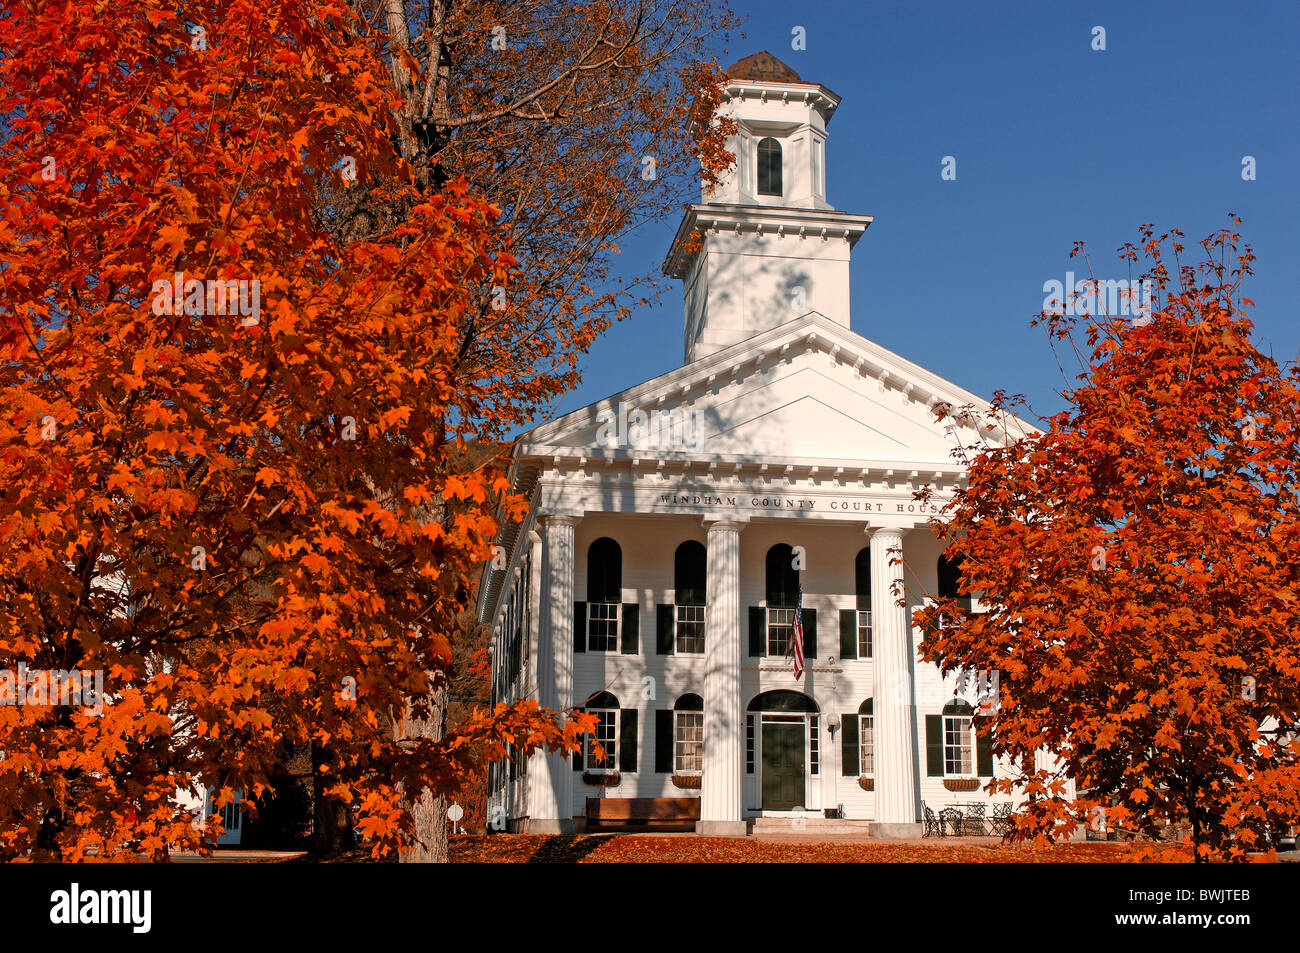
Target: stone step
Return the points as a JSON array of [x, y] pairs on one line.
[[808, 823]]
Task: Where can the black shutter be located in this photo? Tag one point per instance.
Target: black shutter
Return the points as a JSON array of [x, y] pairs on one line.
[[664, 741], [665, 624], [983, 753], [934, 746], [579, 627], [627, 740], [809, 633], [631, 628], [757, 631], [849, 766], [848, 633], [577, 755]]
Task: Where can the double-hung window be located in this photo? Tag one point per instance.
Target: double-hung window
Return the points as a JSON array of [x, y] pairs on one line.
[[864, 633], [690, 630], [780, 631], [688, 744], [958, 746], [602, 626], [606, 735], [866, 747]]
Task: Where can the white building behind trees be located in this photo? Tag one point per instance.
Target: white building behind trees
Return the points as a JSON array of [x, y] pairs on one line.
[[675, 524]]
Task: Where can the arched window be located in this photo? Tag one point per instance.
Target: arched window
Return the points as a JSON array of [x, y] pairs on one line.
[[958, 739], [782, 577], [604, 594], [862, 578], [781, 700], [605, 707], [604, 571], [690, 573], [862, 588], [949, 571], [866, 742], [688, 734], [690, 577], [769, 167]]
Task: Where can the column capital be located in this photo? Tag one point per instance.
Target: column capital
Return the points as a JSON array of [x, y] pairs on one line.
[[558, 519], [734, 525], [884, 532]]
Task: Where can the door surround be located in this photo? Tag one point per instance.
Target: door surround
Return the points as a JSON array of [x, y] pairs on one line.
[[796, 709], [791, 733]]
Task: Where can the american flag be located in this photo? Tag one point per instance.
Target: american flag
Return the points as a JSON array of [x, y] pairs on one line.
[[798, 636]]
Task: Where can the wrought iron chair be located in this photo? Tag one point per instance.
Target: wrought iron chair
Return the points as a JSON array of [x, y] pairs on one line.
[[972, 825], [950, 818], [1001, 824], [932, 825]]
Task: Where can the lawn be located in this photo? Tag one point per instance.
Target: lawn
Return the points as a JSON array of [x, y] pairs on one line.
[[641, 848]]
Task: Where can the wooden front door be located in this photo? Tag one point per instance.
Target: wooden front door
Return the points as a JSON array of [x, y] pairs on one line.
[[783, 774]]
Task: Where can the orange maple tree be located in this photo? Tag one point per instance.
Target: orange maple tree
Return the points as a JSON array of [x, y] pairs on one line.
[[236, 442], [1136, 564], [581, 122]]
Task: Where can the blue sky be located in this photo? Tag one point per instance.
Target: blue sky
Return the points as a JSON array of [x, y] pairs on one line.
[[1054, 143]]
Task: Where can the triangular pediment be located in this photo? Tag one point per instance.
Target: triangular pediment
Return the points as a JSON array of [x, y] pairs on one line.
[[809, 389]]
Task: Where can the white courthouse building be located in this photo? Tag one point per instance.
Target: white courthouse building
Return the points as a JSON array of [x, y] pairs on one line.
[[674, 524]]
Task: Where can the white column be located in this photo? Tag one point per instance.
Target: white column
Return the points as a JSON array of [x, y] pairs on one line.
[[551, 775], [532, 638], [724, 723], [895, 751]]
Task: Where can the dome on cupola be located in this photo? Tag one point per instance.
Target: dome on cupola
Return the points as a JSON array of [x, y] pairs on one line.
[[764, 67]]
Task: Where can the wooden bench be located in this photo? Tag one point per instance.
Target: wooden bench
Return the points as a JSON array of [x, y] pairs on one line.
[[650, 813]]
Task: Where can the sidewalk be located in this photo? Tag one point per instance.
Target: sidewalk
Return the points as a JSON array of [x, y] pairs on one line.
[[236, 856]]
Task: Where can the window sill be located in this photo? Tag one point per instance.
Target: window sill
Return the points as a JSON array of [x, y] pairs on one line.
[[755, 665]]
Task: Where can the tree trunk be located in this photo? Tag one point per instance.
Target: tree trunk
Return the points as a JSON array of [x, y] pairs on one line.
[[331, 829], [428, 811], [1194, 817]]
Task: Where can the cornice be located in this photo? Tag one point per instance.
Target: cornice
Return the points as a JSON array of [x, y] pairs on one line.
[[819, 97], [778, 220]]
